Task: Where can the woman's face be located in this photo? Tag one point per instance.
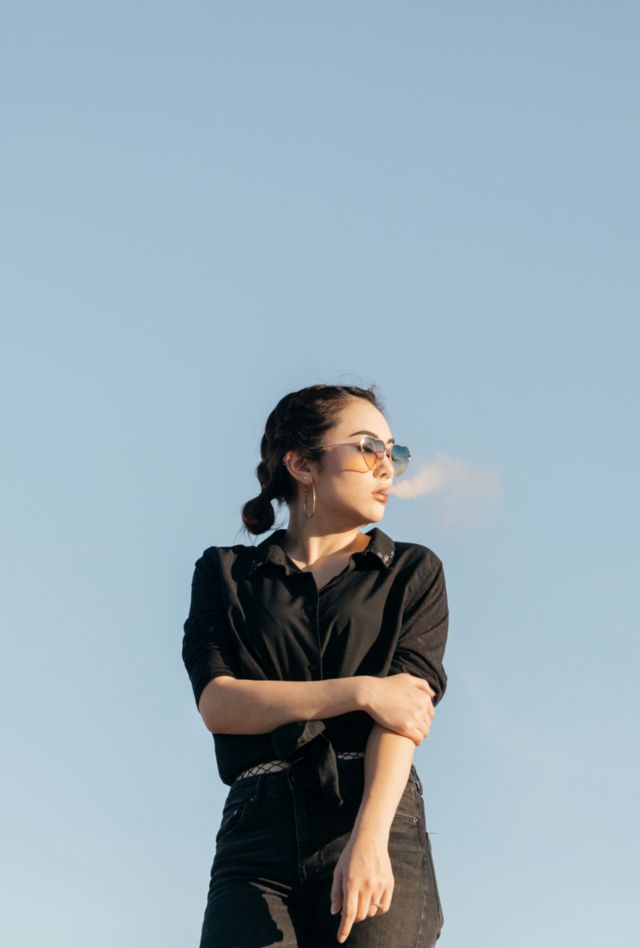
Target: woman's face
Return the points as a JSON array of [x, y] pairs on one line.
[[345, 485]]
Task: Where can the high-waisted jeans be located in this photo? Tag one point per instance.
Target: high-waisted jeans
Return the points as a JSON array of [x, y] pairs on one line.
[[276, 849]]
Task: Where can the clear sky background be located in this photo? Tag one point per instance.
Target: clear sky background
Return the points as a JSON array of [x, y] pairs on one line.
[[204, 206]]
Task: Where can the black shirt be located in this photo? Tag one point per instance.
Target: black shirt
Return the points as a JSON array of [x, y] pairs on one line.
[[256, 615]]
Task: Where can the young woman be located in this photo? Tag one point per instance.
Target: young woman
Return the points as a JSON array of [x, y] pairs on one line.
[[315, 659]]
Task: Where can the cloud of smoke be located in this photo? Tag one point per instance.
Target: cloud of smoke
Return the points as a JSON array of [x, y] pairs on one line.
[[467, 494]]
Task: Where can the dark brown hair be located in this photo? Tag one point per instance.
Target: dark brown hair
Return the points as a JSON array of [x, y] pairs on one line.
[[299, 422]]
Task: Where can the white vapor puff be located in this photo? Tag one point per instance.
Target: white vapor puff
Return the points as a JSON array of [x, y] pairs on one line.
[[468, 493]]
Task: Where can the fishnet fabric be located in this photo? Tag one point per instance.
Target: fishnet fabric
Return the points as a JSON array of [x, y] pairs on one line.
[[273, 766]]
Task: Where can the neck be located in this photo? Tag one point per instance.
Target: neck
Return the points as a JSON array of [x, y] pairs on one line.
[[307, 543]]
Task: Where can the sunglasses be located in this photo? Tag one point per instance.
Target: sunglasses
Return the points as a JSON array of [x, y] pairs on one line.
[[373, 450]]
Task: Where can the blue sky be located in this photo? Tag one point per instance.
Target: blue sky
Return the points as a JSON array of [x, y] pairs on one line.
[[205, 206]]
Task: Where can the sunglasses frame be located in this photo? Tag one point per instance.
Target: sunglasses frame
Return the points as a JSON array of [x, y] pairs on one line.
[[379, 452]]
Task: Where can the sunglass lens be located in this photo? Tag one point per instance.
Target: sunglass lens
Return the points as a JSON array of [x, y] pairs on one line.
[[400, 457], [371, 450]]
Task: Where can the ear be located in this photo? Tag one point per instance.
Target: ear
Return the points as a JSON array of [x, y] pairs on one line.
[[298, 467]]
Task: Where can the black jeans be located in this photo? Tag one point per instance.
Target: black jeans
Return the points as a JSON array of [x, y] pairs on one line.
[[276, 849]]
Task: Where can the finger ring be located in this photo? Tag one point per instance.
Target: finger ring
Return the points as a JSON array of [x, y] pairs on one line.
[[377, 904]]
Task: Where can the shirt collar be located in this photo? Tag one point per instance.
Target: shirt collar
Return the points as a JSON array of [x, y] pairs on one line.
[[381, 551]]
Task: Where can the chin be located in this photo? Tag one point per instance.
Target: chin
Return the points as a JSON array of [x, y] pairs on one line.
[[377, 514]]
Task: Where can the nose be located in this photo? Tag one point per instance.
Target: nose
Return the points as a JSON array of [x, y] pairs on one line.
[[386, 460]]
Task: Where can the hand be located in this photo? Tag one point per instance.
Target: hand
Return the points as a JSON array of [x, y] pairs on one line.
[[361, 877], [402, 703]]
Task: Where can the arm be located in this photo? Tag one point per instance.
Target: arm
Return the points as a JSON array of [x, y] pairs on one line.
[[425, 625], [363, 874], [228, 698], [230, 705], [388, 759], [420, 650]]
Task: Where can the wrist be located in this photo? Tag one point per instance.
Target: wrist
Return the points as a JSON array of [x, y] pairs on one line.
[[368, 830], [364, 692]]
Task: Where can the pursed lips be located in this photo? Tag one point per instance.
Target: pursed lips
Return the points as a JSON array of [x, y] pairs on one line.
[[381, 495]]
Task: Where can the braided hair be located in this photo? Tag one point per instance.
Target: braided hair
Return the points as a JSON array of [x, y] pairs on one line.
[[299, 422]]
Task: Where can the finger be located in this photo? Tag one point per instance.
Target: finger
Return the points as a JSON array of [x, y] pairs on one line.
[[411, 733], [382, 902], [336, 892], [348, 916], [385, 899], [364, 904], [376, 905], [406, 732]]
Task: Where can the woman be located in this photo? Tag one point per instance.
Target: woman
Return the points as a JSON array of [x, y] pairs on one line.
[[316, 661]]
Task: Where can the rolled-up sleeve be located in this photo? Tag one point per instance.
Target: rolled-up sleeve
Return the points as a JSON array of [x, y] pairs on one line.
[[425, 624], [207, 647]]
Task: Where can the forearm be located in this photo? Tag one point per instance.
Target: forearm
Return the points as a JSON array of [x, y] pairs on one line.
[[387, 764], [241, 706]]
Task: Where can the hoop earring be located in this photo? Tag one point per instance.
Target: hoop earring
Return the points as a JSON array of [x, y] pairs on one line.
[[313, 488]]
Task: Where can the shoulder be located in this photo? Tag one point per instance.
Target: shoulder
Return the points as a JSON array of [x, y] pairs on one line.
[[225, 559], [418, 568], [415, 557], [422, 577], [227, 552]]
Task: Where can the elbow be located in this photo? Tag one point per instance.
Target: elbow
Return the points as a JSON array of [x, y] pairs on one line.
[[208, 723], [211, 702]]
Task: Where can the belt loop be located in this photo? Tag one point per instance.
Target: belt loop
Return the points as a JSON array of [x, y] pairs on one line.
[[257, 790], [418, 781]]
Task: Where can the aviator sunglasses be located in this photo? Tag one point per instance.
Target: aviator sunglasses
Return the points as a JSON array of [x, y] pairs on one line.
[[373, 450]]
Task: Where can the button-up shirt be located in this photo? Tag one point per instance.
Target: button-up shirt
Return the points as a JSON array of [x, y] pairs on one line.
[[256, 615]]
